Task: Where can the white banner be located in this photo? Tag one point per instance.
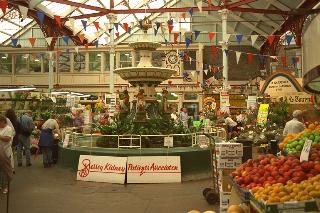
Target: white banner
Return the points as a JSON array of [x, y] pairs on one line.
[[102, 169], [224, 101], [154, 169]]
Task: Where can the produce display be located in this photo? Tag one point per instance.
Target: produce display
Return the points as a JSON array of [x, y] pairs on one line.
[[293, 143], [268, 169], [305, 190]]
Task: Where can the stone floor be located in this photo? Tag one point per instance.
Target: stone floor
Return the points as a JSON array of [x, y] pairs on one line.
[[55, 190]]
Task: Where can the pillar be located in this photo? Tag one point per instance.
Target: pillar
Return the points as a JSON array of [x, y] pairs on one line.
[[224, 44], [112, 19], [50, 78], [180, 98]]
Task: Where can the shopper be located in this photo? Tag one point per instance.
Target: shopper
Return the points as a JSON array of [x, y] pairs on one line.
[[230, 123], [295, 125], [6, 136], [14, 124], [46, 141], [25, 131], [184, 117]]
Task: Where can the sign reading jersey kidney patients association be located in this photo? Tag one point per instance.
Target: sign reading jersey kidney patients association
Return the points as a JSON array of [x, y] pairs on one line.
[[102, 169], [154, 169]]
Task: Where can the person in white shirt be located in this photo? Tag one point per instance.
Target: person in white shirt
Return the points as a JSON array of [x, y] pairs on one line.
[[6, 136], [295, 125], [184, 117]]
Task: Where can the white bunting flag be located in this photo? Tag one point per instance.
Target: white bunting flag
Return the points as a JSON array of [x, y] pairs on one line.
[[199, 4], [132, 25], [49, 40], [193, 73], [238, 54], [190, 60], [254, 39], [76, 49], [274, 57], [71, 21], [97, 34], [24, 11], [227, 37], [206, 72]]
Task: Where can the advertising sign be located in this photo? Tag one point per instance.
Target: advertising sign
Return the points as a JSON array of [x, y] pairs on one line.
[[102, 169], [252, 102], [263, 114], [224, 101], [297, 98], [154, 169]]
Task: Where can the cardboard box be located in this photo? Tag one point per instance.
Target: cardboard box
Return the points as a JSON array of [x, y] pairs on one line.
[[225, 180], [229, 149], [224, 199], [228, 163], [223, 209]]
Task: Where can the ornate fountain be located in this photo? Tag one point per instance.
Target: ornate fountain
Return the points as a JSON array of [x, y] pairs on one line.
[[144, 76]]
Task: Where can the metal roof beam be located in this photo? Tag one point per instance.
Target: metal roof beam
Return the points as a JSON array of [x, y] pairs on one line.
[[278, 4], [247, 24]]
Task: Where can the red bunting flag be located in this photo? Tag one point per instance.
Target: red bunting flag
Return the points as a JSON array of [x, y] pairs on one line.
[[86, 46], [214, 51], [81, 37], [250, 56], [96, 24], [271, 39], [3, 6], [283, 60], [58, 20], [117, 34], [32, 41], [175, 37], [125, 26], [211, 35], [170, 27]]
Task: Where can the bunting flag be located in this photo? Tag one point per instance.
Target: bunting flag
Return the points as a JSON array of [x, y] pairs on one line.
[[48, 40], [129, 30], [170, 27], [166, 41], [188, 42], [214, 51], [254, 39], [283, 60], [125, 26], [132, 25], [211, 35], [190, 11], [289, 39], [175, 37], [158, 25], [227, 37], [110, 30], [117, 34], [294, 60], [40, 16], [155, 31], [71, 21], [24, 11], [206, 72], [170, 22], [32, 41], [58, 20], [238, 54], [65, 39], [183, 15], [81, 37], [261, 58], [140, 22], [196, 33], [97, 25], [84, 24], [14, 42], [97, 35], [96, 43], [116, 25], [271, 39], [76, 49], [250, 57], [192, 72], [106, 25], [239, 38], [226, 51], [3, 5], [199, 5]]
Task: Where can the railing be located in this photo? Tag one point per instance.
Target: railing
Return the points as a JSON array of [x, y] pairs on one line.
[[141, 141]]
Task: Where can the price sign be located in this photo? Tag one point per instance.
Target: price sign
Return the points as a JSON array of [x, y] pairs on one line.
[[66, 140], [168, 141], [305, 151]]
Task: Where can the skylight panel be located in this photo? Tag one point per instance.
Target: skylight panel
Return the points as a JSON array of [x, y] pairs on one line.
[[156, 4], [87, 11], [8, 27], [3, 37]]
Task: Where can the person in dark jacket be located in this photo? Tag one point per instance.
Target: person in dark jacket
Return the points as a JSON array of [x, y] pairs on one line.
[[46, 141]]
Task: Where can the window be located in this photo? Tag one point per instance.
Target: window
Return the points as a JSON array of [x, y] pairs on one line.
[[35, 63], [157, 58], [64, 62], [79, 62], [190, 97], [107, 61], [95, 61], [5, 64], [22, 63], [125, 59]]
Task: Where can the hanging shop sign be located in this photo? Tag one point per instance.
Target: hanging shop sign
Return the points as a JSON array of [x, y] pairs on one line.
[[280, 83], [102, 169], [263, 114], [154, 169], [297, 98], [224, 101], [252, 102]]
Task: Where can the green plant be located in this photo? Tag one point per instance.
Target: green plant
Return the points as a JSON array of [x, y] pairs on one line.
[[279, 113]]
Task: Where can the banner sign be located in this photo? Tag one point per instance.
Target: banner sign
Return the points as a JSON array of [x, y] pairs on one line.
[[102, 169], [297, 98], [154, 169], [263, 114], [224, 101]]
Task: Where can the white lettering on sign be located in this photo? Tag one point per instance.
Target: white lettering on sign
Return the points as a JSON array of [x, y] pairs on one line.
[[154, 169], [305, 151], [102, 169]]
